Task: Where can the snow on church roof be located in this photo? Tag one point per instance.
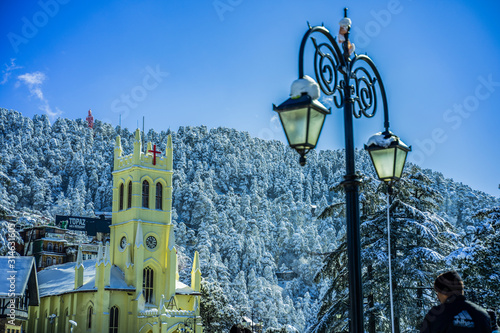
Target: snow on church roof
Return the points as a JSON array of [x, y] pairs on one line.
[[60, 279], [182, 289]]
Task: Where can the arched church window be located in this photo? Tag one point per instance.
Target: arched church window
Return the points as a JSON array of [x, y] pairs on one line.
[[49, 247], [113, 320], [129, 195], [145, 194], [121, 197], [90, 310], [66, 320], [49, 261], [159, 195], [147, 284]]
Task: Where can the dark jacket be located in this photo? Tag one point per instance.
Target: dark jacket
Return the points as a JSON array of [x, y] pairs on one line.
[[456, 315]]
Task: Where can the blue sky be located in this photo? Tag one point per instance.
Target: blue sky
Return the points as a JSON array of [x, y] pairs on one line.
[[224, 62]]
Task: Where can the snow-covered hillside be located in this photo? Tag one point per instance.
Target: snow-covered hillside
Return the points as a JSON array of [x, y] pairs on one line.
[[244, 203]]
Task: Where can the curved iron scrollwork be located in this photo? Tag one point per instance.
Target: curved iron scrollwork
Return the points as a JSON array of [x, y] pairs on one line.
[[366, 97], [343, 78]]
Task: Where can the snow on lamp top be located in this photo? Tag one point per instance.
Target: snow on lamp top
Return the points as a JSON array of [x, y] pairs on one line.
[[380, 139], [345, 25], [305, 85]]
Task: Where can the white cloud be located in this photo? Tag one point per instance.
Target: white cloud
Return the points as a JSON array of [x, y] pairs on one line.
[[34, 83], [8, 69]]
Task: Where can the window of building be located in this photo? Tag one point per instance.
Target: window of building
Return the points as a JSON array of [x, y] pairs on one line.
[[66, 320], [49, 246], [60, 247], [121, 197], [145, 194], [113, 320], [159, 195], [89, 317], [129, 195], [49, 261], [147, 284]]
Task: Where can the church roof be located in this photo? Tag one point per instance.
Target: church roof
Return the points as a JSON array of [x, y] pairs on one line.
[[182, 289], [60, 279]]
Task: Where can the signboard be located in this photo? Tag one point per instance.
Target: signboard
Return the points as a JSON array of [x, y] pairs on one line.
[[90, 225]]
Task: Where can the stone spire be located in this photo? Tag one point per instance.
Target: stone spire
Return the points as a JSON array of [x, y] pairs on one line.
[[196, 273], [79, 269]]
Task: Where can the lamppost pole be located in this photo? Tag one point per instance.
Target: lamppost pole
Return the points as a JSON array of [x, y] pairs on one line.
[[351, 184], [355, 85], [351, 187]]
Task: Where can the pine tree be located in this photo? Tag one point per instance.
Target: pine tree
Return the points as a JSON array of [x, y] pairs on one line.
[[479, 259], [420, 240], [217, 314]]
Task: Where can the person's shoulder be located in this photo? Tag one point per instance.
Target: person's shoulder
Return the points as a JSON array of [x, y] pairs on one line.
[[480, 315], [434, 318], [436, 310], [477, 308]]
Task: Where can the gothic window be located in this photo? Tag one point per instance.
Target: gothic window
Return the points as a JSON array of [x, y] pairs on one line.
[[147, 284], [159, 195], [121, 197], [89, 317], [113, 320], [145, 194], [129, 195], [66, 320]]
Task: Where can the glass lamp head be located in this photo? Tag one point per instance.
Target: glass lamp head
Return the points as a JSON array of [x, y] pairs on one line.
[[388, 154], [302, 120]]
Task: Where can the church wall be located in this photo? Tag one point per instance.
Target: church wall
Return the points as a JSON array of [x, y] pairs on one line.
[[187, 302]]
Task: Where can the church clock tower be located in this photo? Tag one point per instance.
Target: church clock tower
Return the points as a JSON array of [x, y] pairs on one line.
[[142, 234]]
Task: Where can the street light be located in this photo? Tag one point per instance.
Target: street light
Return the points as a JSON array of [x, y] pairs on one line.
[[302, 119], [354, 83], [73, 324], [388, 155]]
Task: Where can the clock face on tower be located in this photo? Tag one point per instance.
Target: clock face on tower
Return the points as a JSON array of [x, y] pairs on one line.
[[151, 242], [123, 242]]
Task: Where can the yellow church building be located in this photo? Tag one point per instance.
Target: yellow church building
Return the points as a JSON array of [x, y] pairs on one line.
[[133, 285]]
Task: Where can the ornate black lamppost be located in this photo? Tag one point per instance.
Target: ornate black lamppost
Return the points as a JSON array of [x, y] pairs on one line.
[[354, 88]]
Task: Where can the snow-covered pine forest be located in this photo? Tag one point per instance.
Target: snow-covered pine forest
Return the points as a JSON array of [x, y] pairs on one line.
[[271, 234]]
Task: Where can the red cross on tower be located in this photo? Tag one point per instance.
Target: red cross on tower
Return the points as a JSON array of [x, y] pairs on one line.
[[154, 151]]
